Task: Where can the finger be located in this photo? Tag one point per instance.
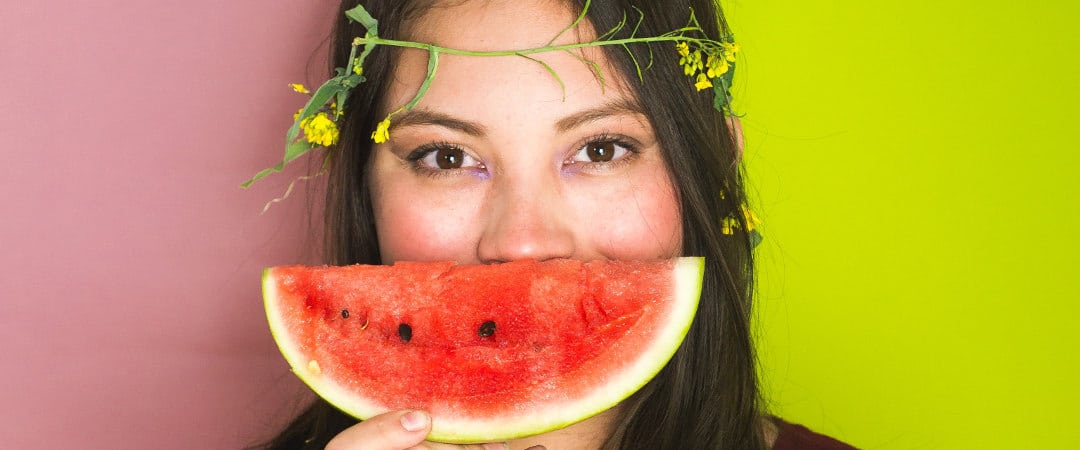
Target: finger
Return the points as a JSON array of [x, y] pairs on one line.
[[390, 431], [426, 445]]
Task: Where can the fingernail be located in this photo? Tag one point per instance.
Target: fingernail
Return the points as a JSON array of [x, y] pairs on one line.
[[415, 421], [537, 447], [503, 446]]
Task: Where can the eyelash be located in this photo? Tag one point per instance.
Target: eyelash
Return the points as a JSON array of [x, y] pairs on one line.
[[414, 158], [630, 145]]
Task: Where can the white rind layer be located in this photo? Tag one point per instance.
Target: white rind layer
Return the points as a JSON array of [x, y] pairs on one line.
[[687, 276]]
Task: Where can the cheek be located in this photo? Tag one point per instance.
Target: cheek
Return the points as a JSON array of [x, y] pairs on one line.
[[404, 232], [409, 231], [644, 221], [415, 227]]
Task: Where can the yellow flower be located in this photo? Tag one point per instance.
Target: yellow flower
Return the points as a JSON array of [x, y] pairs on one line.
[[382, 132], [357, 68], [691, 62], [702, 82], [752, 220], [300, 88], [717, 66], [728, 225], [730, 49], [320, 130], [683, 49]]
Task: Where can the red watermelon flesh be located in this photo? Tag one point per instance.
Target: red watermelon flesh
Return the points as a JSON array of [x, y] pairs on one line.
[[491, 351]]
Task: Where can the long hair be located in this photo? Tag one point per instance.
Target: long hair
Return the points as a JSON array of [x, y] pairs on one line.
[[707, 396]]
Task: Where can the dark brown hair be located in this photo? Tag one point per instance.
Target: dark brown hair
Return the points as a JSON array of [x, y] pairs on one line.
[[707, 396]]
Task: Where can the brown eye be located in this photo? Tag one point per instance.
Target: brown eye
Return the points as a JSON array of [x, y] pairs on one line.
[[449, 158], [443, 157], [600, 151]]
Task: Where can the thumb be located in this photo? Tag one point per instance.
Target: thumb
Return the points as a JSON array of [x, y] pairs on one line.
[[390, 431]]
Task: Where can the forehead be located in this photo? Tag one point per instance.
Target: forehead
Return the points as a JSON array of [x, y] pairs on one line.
[[550, 80], [494, 25]]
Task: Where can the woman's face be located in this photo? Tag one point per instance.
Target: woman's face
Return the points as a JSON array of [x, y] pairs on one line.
[[495, 164]]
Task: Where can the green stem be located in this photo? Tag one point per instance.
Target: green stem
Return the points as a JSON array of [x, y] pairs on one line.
[[352, 59], [433, 65], [529, 51], [573, 24]]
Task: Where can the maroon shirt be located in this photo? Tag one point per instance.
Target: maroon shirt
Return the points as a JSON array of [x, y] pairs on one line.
[[798, 437]]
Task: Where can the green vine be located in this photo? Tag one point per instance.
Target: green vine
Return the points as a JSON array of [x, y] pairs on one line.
[[708, 62]]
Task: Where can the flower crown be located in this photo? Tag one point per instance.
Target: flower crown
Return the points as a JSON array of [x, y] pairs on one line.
[[710, 64]]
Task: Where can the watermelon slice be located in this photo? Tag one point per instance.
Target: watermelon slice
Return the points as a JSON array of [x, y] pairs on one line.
[[493, 352]]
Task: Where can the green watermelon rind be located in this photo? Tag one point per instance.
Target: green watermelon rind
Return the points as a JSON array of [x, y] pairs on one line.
[[687, 277]]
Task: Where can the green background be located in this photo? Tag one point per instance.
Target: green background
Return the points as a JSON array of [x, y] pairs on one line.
[[915, 164]]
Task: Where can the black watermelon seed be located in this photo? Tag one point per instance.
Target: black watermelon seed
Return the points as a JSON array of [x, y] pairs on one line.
[[344, 314], [486, 329], [405, 331]]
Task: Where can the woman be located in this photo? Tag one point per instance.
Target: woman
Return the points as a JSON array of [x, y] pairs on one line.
[[501, 160]]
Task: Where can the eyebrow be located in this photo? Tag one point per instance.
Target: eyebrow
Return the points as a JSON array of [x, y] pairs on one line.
[[612, 108], [420, 116]]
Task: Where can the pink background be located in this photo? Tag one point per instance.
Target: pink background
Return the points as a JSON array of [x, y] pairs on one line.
[[131, 315]]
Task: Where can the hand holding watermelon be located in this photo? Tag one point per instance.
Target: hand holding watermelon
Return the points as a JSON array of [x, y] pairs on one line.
[[390, 431], [397, 430]]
